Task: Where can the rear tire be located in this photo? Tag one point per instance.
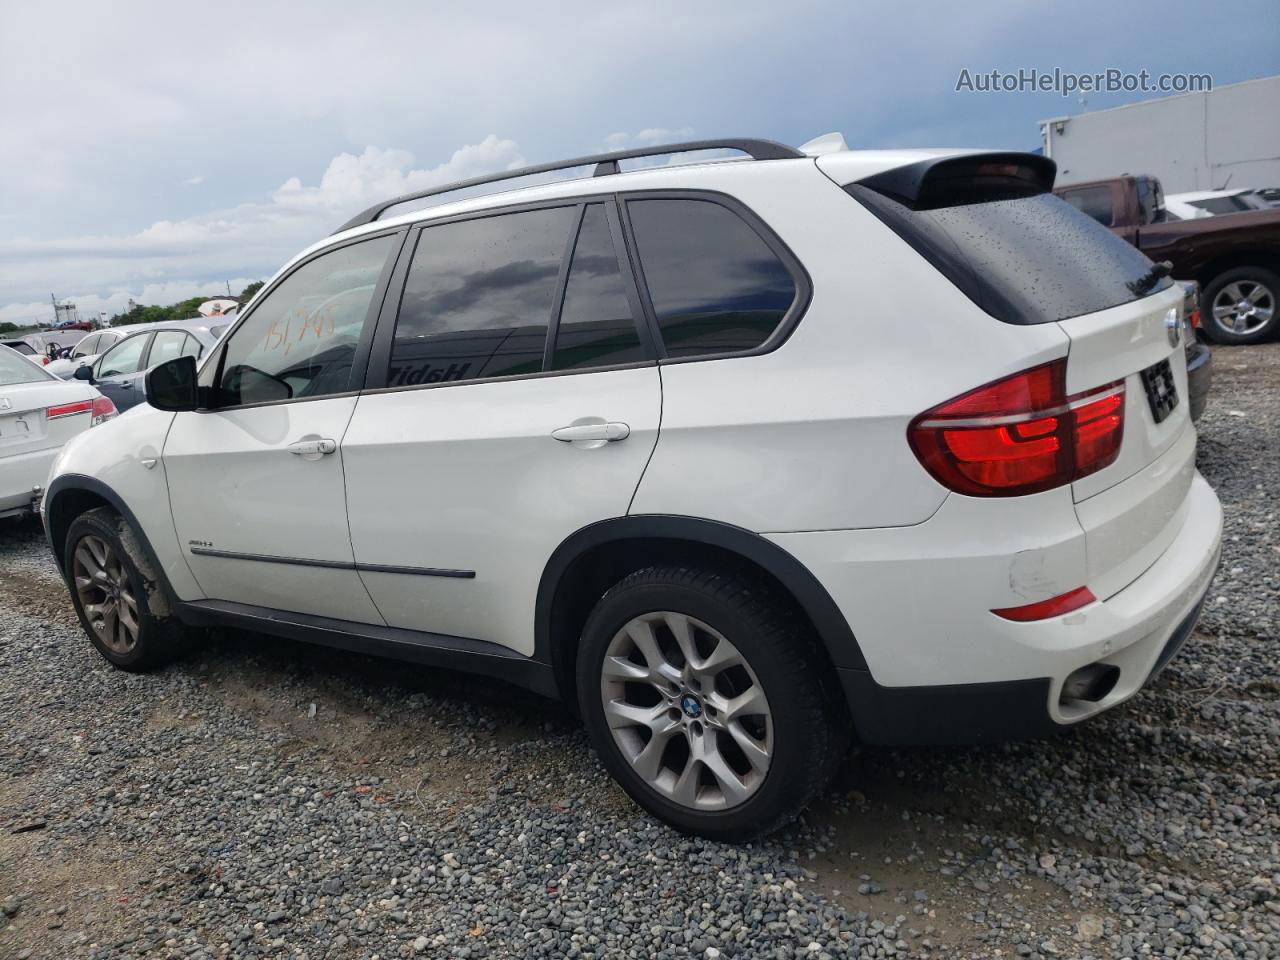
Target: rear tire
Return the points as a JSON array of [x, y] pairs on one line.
[[123, 606], [1240, 306], [729, 742]]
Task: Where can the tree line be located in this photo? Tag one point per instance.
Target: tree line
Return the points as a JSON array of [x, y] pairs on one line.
[[182, 310]]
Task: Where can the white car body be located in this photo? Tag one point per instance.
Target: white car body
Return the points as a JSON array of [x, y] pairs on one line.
[[38, 414], [84, 353], [444, 513], [1202, 203]]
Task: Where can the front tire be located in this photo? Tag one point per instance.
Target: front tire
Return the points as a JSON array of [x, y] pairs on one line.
[[1239, 306], [121, 603], [700, 691]]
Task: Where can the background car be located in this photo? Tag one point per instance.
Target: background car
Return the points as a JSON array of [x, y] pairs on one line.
[[38, 414], [85, 352], [119, 373], [1199, 356], [1208, 203]]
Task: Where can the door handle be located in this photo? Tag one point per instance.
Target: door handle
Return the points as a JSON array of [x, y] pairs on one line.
[[125, 385], [313, 448], [592, 431]]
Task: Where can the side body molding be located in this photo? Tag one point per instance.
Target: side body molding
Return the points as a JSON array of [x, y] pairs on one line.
[[643, 529]]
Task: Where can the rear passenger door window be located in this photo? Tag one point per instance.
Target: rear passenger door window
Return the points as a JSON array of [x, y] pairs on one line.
[[597, 327], [169, 344], [478, 297], [715, 285]]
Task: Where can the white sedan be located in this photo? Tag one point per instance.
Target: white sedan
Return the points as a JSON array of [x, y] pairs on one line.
[[38, 414], [84, 353]]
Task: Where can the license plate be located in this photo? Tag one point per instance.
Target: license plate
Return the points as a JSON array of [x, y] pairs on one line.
[[1162, 392]]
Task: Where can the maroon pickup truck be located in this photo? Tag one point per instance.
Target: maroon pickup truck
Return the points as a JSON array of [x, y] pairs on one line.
[[1234, 257]]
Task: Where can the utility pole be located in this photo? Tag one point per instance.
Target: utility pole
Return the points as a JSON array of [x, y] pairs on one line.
[[228, 283]]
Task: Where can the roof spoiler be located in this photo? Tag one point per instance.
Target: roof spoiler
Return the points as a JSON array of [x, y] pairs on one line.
[[967, 178]]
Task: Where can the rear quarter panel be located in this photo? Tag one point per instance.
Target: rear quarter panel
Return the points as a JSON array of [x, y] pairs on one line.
[[813, 436]]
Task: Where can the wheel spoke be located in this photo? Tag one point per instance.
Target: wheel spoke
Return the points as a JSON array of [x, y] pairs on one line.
[[1257, 293], [1233, 291], [649, 760], [756, 754], [686, 789], [88, 561], [749, 703], [682, 631], [1263, 313], [623, 714], [731, 785], [620, 668]]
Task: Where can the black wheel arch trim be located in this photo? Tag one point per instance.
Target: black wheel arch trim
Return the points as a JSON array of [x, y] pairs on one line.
[[69, 482], [833, 629]]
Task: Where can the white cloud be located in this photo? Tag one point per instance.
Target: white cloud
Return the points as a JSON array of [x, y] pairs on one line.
[[649, 137], [191, 255], [194, 181]]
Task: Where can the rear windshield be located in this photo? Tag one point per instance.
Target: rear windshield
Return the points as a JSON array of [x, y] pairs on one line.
[[13, 369], [1028, 260]]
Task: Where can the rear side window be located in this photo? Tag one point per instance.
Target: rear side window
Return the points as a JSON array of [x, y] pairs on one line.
[[716, 286], [1034, 259], [478, 297], [596, 326], [169, 344], [1093, 202]]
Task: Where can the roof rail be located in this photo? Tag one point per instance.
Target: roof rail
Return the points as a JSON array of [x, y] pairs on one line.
[[606, 165]]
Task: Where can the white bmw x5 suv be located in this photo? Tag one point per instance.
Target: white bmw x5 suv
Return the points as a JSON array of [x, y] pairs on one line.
[[743, 459]]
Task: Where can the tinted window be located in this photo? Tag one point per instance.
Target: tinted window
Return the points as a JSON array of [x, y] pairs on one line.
[[172, 343], [596, 326], [124, 357], [715, 285], [300, 340], [1093, 202], [1222, 204], [23, 348], [1033, 260], [13, 369], [86, 347], [478, 297]]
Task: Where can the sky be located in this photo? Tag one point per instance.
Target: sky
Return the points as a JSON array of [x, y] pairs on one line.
[[156, 151]]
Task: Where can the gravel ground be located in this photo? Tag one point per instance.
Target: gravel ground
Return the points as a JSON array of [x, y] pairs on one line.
[[265, 799]]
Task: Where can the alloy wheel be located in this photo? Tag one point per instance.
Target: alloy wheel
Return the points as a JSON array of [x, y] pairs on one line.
[[105, 594], [687, 711], [1244, 307]]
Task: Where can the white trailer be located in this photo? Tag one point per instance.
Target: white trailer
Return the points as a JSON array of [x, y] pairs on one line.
[[1195, 141]]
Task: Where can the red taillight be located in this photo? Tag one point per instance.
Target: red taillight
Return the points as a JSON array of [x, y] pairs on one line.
[[103, 410], [1053, 607], [68, 409], [44, 361], [1195, 319], [1020, 435]]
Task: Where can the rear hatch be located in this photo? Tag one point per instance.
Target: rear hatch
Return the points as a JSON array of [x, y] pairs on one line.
[[990, 224]]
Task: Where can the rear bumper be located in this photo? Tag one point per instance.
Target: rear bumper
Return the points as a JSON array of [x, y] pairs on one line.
[[21, 477], [973, 713], [942, 670]]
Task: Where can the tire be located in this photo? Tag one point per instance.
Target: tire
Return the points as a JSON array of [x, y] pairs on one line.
[[102, 540], [1256, 286], [788, 724]]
